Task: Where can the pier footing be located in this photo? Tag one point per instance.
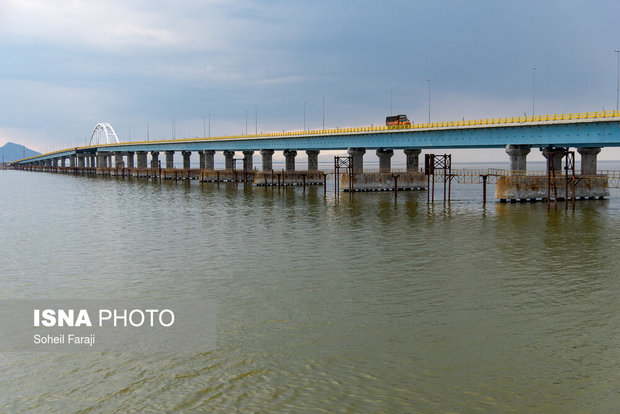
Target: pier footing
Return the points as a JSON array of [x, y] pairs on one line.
[[384, 181], [515, 188], [275, 178]]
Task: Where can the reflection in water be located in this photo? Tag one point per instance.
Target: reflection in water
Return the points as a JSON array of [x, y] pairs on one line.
[[361, 304]]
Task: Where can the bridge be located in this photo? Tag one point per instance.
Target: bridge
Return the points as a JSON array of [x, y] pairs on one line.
[[588, 132]]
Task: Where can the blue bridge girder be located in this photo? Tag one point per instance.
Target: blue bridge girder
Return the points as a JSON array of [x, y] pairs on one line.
[[566, 133]]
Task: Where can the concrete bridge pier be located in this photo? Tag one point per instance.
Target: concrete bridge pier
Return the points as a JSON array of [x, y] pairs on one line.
[[55, 162], [518, 157], [63, 160], [358, 158], [141, 155], [209, 160], [228, 159], [81, 160], [118, 160], [289, 159], [267, 155], [248, 160], [154, 159], [588, 160], [186, 159], [169, 159], [93, 161], [313, 160], [556, 155], [413, 161], [385, 159], [201, 159], [48, 163], [129, 159], [72, 160], [101, 160]]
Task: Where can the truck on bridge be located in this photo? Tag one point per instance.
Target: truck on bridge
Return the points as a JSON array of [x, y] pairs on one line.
[[397, 120]]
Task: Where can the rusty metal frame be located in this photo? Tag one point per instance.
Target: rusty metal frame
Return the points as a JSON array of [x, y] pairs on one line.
[[441, 162], [343, 162], [570, 176]]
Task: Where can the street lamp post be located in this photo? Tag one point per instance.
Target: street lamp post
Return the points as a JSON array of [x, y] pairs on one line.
[[429, 100], [323, 99], [533, 90], [618, 76]]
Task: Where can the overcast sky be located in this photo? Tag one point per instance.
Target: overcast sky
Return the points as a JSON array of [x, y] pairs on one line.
[[67, 65]]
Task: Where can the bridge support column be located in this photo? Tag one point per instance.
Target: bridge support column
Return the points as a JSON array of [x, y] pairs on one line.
[[201, 158], [289, 156], [55, 162], [63, 160], [72, 160], [186, 159], [413, 161], [385, 159], [129, 159], [556, 155], [118, 160], [101, 160], [110, 161], [518, 157], [141, 155], [588, 160], [154, 159], [248, 160], [48, 163], [267, 155], [169, 159], [209, 160], [358, 158], [228, 159], [80, 159], [313, 160]]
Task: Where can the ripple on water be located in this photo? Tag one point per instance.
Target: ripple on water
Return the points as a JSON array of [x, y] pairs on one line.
[[356, 305]]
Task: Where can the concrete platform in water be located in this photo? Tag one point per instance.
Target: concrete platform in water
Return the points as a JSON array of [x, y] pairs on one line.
[[275, 178], [384, 181], [532, 188]]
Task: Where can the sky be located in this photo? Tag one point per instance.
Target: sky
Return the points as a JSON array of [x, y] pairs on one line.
[[166, 67]]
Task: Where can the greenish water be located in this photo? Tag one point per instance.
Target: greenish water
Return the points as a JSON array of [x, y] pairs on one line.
[[358, 305]]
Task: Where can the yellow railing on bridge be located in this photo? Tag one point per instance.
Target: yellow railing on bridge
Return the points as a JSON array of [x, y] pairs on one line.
[[425, 125]]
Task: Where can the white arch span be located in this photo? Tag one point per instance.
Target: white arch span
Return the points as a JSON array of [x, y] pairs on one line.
[[103, 133]]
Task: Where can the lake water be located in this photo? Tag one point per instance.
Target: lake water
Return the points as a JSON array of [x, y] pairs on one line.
[[363, 304]]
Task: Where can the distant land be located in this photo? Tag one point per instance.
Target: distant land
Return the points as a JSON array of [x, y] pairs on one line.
[[11, 152]]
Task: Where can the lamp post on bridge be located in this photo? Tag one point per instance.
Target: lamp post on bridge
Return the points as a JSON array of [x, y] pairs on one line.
[[618, 76], [323, 99], [429, 100], [533, 89]]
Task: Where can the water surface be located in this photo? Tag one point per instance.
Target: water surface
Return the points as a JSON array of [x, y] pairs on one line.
[[361, 304]]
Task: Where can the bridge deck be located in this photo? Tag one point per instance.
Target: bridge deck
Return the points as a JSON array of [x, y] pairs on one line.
[[587, 129]]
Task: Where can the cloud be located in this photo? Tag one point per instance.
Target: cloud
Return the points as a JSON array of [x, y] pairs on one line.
[[71, 63], [97, 24]]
